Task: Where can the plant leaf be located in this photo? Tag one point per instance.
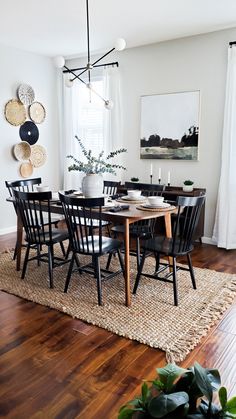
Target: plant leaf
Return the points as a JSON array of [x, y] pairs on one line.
[[126, 413], [145, 392], [223, 397], [203, 381], [160, 406], [231, 406], [214, 378], [168, 375]]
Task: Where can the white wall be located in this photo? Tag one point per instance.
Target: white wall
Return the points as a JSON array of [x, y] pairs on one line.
[[21, 67], [194, 63]]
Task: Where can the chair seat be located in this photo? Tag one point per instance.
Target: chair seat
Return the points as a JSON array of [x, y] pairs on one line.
[[92, 246], [164, 245], [58, 235]]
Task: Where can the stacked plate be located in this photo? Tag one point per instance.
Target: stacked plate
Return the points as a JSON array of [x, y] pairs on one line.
[[138, 198], [152, 206]]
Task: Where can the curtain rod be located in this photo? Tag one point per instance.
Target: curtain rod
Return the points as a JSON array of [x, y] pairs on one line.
[[232, 43], [96, 65]]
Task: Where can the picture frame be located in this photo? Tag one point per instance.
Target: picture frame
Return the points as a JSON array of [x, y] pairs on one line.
[[170, 126]]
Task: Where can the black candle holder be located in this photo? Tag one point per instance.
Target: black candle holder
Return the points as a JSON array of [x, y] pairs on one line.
[[159, 181], [168, 184], [151, 179]]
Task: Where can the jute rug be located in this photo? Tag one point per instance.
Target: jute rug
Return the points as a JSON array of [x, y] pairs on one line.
[[152, 318]]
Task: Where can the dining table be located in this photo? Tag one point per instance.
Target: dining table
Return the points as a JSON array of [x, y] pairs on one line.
[[126, 216]]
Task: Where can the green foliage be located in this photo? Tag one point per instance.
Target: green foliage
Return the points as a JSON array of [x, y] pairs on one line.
[[188, 182], [134, 179], [181, 393], [99, 164]]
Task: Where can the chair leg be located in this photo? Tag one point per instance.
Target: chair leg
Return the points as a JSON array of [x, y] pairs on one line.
[[50, 265], [25, 262], [157, 258], [191, 271], [98, 277], [175, 282], [70, 272], [68, 251], [138, 252], [121, 261], [108, 230], [140, 269], [15, 251], [109, 261], [63, 249]]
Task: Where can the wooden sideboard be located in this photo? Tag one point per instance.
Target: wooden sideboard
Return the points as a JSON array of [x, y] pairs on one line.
[[170, 194]]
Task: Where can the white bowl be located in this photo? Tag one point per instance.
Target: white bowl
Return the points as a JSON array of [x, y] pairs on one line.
[[155, 200], [134, 193], [42, 188]]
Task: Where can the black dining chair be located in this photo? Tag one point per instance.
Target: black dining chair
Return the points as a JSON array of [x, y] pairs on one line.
[[144, 229], [28, 185], [35, 212], [110, 187], [87, 239], [181, 244]]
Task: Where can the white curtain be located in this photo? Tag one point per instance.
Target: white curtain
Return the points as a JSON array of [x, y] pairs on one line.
[[113, 123], [109, 120], [224, 232]]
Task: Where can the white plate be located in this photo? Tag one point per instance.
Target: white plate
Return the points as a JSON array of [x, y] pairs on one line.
[[139, 198], [164, 205]]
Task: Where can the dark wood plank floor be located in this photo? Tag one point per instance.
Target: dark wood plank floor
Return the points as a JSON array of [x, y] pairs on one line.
[[52, 366]]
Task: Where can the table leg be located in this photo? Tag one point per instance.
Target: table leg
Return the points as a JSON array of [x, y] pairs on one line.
[[127, 265], [168, 232], [19, 242], [168, 225]]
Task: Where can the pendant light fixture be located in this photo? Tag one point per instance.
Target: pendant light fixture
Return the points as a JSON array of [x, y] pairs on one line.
[[76, 73]]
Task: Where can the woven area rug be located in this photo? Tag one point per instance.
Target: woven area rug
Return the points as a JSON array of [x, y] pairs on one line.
[[152, 318]]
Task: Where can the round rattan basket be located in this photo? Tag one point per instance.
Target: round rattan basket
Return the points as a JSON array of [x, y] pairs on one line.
[[38, 155], [15, 112], [26, 169], [22, 151]]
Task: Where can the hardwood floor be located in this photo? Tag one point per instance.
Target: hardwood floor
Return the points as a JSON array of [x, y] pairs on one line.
[[53, 366]]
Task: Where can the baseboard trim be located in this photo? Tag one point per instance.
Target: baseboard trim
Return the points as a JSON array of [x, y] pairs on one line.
[[208, 240], [7, 230]]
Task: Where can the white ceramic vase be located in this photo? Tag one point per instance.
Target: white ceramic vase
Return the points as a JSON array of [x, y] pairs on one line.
[[187, 188], [92, 185]]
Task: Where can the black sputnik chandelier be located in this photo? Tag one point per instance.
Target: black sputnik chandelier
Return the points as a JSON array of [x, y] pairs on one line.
[[76, 73]]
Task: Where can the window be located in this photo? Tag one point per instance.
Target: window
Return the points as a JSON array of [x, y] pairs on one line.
[[91, 116]]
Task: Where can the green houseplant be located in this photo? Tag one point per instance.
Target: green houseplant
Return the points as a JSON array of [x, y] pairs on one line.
[[134, 179], [181, 393], [188, 185], [94, 167]]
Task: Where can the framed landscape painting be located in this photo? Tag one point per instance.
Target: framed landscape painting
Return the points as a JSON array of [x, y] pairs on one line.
[[170, 126]]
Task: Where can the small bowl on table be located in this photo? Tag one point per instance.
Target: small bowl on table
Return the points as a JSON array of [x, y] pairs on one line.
[[42, 188], [134, 193], [155, 200]]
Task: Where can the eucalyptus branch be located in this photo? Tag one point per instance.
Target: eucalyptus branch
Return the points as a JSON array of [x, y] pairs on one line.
[[95, 164]]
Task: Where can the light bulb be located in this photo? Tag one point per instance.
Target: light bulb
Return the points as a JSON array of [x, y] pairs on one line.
[[108, 104], [68, 82], [120, 44], [59, 61]]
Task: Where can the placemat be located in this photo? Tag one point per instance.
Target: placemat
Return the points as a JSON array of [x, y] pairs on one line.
[[131, 201], [141, 207]]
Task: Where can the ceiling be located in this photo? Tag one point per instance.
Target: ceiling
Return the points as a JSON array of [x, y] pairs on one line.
[[58, 27]]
